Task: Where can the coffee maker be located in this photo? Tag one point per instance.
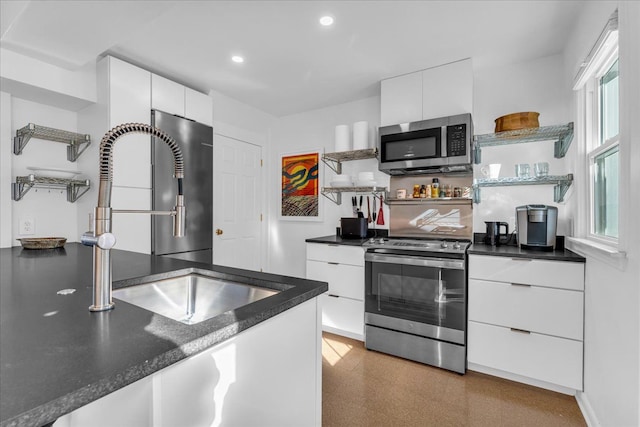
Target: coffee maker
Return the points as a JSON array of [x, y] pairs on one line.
[[537, 226]]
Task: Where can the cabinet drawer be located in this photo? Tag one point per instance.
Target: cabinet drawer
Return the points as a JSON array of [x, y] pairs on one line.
[[549, 311], [542, 357], [343, 314], [344, 280], [553, 274], [353, 255]]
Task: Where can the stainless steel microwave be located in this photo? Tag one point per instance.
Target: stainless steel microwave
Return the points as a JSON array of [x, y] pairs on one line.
[[428, 146]]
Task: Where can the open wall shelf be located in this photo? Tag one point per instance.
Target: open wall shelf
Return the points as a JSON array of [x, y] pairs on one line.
[[75, 187], [561, 134], [335, 193], [561, 183], [334, 160], [77, 142]]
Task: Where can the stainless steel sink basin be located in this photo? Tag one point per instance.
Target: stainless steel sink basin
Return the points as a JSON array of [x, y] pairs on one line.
[[191, 298]]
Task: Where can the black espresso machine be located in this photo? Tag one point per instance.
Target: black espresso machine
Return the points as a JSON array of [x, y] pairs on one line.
[[537, 226]]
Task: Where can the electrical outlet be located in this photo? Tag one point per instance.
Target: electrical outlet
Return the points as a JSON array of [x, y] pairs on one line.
[[27, 226]]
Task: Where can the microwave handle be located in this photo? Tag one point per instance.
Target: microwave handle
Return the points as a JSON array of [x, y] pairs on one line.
[[443, 141]]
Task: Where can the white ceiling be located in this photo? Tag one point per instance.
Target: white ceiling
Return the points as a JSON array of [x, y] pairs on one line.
[[292, 63]]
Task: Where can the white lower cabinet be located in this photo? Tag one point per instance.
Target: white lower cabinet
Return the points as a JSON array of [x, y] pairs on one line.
[[526, 320], [268, 375], [342, 267]]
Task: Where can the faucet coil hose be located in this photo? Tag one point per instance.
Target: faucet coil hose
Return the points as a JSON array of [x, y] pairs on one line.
[[109, 139]]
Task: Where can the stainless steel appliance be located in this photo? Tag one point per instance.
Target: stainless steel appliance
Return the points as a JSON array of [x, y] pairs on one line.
[[537, 226], [353, 228], [415, 300], [428, 146], [196, 142]]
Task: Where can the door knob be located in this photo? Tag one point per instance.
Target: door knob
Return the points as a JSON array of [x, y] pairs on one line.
[[218, 231]]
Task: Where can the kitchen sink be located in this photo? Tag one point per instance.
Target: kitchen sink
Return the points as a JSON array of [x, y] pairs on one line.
[[191, 298]]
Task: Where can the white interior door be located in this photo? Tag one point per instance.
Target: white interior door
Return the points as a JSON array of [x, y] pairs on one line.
[[237, 203]]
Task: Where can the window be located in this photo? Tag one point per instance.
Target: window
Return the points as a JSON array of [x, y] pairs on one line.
[[598, 80], [603, 156]]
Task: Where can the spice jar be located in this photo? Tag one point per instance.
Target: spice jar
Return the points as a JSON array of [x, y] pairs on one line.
[[457, 192], [435, 187], [416, 191], [428, 191], [448, 192], [423, 192]]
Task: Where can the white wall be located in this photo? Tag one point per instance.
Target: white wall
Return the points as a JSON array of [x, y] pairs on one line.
[[5, 170], [612, 290], [306, 132], [532, 86]]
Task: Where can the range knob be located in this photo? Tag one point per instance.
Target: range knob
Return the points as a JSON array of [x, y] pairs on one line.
[[456, 245], [444, 245]]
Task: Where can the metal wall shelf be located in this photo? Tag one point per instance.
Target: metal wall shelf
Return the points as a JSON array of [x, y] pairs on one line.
[[561, 134], [561, 182], [77, 142], [334, 160], [75, 187], [428, 200], [335, 193]]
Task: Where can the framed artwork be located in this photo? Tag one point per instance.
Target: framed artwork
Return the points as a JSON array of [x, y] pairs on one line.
[[300, 187]]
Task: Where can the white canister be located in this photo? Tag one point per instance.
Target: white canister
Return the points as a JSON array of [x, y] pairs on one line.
[[343, 140], [361, 135]]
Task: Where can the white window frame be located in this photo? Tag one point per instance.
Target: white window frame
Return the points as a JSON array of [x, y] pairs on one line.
[[584, 241], [592, 135]]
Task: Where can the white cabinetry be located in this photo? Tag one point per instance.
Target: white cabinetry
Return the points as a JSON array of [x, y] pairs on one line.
[[174, 98], [125, 92], [269, 374], [526, 320], [342, 267], [435, 92]]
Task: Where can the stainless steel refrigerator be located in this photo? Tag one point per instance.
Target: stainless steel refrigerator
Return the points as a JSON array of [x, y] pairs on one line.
[[196, 142]]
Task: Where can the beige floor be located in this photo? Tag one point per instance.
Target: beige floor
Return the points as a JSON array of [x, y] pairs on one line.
[[367, 388]]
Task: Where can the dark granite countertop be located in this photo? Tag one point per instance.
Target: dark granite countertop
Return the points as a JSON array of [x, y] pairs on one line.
[[56, 356], [337, 240], [516, 252]]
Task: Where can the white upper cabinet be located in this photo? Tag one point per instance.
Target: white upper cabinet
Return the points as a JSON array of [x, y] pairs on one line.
[[174, 98], [401, 99], [447, 90], [129, 101], [435, 92], [167, 96], [198, 107]]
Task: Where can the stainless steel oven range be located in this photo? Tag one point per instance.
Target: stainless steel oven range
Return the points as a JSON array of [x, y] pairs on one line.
[[416, 300]]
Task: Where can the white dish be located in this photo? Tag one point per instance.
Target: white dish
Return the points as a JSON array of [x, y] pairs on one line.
[[365, 184], [341, 184], [53, 172]]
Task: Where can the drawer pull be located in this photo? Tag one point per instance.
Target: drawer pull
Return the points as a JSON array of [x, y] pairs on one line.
[[521, 284], [521, 259], [333, 263], [521, 331], [333, 296]]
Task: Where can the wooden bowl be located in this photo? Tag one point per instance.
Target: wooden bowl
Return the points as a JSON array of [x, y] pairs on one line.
[[517, 121], [42, 242]]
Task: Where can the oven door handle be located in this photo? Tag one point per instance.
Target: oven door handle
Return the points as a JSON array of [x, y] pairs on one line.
[[417, 261]]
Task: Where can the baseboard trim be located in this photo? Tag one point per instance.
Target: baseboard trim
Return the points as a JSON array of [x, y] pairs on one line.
[[343, 332], [521, 379], [587, 410]]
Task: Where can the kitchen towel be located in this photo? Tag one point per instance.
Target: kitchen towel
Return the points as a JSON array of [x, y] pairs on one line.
[[361, 135], [343, 140]]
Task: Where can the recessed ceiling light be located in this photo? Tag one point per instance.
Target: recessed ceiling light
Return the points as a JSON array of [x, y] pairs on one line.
[[237, 58], [326, 21]]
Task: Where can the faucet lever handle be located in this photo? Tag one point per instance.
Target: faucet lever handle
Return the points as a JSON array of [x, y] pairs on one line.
[[104, 241]]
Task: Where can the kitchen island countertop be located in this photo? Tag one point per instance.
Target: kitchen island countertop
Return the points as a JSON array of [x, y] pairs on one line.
[[56, 355]]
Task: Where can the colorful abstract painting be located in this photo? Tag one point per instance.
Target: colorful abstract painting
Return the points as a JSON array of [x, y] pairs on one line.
[[300, 188]]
